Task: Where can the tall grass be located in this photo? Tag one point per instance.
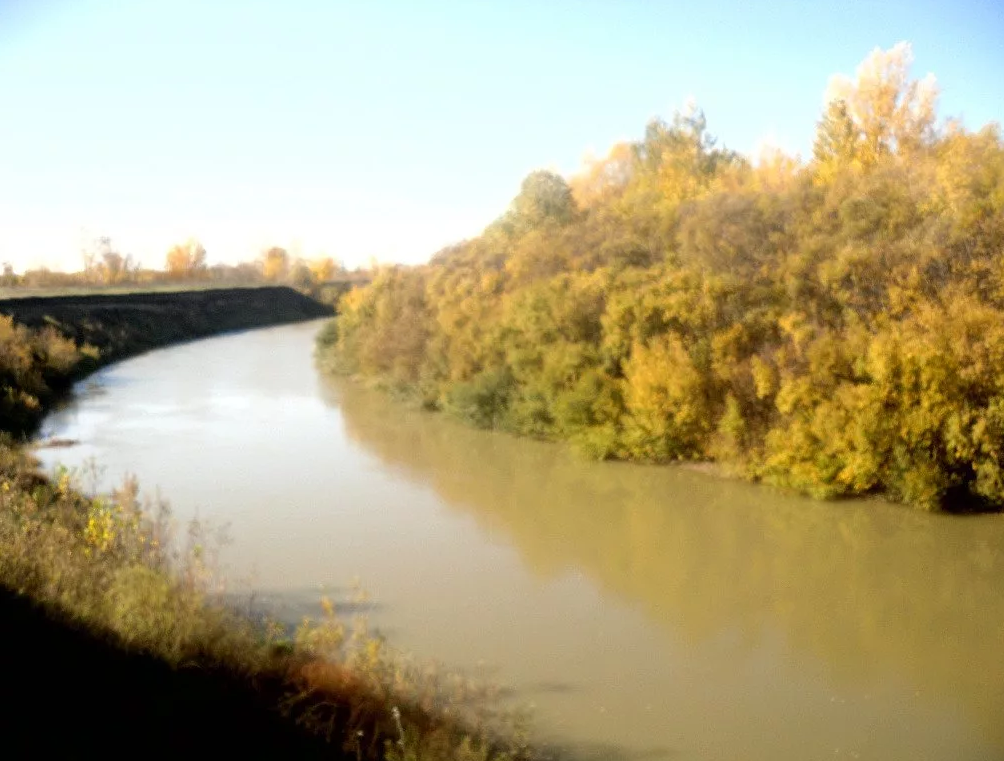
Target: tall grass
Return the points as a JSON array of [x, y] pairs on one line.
[[114, 567]]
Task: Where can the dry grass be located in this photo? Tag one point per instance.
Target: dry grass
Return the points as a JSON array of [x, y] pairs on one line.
[[112, 631], [24, 292], [114, 568]]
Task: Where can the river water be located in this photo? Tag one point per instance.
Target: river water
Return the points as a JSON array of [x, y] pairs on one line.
[[646, 613]]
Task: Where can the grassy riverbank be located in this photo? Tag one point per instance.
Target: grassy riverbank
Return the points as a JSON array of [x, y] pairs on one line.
[[111, 634], [109, 628]]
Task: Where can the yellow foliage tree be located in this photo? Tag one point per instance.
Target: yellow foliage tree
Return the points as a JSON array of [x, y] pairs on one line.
[[667, 415], [323, 269], [603, 178], [834, 327], [881, 112], [275, 264], [186, 260]]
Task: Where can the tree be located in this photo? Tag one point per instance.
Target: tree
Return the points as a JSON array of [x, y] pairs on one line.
[[544, 200], [115, 268], [676, 162], [837, 329], [275, 264], [666, 403], [103, 264], [187, 260], [602, 178], [879, 113], [300, 275], [322, 270], [92, 258], [544, 196]]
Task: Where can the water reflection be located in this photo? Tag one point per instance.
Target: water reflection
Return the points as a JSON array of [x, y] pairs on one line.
[[879, 593], [649, 613]]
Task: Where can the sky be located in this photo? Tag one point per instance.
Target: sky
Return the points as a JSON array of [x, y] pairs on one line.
[[386, 130]]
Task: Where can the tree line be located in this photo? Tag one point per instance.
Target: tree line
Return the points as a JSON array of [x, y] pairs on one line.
[[185, 262], [834, 325]]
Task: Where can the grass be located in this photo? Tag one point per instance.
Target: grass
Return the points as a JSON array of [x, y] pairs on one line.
[[111, 624], [114, 642], [338, 284], [47, 343], [25, 292]]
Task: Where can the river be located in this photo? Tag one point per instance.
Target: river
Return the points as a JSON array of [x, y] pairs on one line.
[[644, 612]]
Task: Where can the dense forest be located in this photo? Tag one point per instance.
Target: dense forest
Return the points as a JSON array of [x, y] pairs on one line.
[[834, 325]]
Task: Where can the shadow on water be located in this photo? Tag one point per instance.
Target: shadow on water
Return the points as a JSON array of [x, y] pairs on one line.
[[876, 591], [287, 606], [604, 752]]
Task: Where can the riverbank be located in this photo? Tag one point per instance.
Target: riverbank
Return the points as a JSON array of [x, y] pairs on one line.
[[124, 324], [835, 326], [48, 342], [592, 590], [110, 634]]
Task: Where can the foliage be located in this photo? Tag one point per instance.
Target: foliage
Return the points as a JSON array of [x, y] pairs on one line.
[[112, 563], [46, 344], [112, 566], [186, 265], [104, 265], [34, 364], [186, 260], [831, 326], [275, 264]]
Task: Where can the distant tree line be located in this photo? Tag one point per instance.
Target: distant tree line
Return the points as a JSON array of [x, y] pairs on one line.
[[834, 325], [186, 262]]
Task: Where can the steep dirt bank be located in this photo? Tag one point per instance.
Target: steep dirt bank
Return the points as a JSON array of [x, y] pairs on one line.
[[128, 323], [39, 365]]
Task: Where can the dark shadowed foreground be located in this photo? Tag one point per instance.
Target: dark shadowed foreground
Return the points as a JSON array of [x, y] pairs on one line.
[[72, 691]]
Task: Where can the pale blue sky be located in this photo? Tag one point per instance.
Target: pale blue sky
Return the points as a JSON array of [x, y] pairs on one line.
[[389, 129]]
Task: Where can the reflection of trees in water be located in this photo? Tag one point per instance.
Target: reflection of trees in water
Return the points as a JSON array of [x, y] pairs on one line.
[[875, 590]]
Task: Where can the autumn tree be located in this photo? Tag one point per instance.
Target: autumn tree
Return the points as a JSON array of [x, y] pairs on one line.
[[679, 159], [544, 196], [835, 328], [323, 269], [187, 260], [116, 268], [602, 178], [544, 199], [275, 264], [105, 265], [299, 275], [880, 112]]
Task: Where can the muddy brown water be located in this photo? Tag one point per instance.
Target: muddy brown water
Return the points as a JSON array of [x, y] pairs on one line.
[[644, 612]]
